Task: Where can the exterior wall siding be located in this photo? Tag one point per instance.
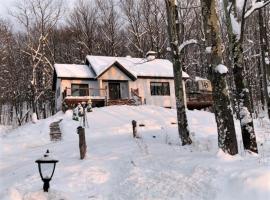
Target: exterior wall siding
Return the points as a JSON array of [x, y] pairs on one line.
[[114, 74], [144, 91]]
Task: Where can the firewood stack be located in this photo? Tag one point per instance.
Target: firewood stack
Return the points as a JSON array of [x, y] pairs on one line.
[[55, 131]]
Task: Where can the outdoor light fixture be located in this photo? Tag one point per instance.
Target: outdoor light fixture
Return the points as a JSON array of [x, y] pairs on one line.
[[46, 167]]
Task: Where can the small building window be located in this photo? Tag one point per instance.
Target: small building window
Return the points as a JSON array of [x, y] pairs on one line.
[[58, 92], [79, 90], [160, 88]]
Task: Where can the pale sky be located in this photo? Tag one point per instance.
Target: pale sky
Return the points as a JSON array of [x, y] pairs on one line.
[[7, 4], [4, 5]]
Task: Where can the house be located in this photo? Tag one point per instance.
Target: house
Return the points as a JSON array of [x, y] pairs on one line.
[[198, 93], [116, 80]]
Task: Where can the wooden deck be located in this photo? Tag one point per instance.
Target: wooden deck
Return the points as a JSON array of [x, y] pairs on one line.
[[195, 100]]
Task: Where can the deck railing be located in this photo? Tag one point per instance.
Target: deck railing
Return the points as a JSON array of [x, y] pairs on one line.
[[81, 92]]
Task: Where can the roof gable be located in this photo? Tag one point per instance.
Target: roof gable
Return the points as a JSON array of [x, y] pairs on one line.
[[135, 66], [117, 72]]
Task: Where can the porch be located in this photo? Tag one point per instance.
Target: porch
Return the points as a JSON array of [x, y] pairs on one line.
[[112, 94], [73, 96]]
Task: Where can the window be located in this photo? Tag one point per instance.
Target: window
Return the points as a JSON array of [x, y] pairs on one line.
[[160, 88], [58, 92], [79, 90]]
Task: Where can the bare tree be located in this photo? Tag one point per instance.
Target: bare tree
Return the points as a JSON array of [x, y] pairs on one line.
[[83, 22], [38, 17], [223, 113], [265, 58], [175, 38], [236, 15], [109, 28]]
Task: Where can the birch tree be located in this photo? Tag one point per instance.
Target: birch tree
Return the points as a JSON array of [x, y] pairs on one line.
[[38, 17], [223, 113], [175, 38]]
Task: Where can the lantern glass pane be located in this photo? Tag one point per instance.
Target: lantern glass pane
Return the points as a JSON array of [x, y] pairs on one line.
[[46, 169]]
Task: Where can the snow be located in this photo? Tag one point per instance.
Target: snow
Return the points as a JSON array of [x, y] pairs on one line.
[[197, 78], [267, 61], [240, 4], [73, 71], [84, 97], [236, 26], [245, 116], [186, 43], [119, 167], [222, 69], [34, 118], [208, 50], [255, 5], [136, 66]]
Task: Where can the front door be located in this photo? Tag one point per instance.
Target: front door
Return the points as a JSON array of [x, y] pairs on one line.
[[114, 91]]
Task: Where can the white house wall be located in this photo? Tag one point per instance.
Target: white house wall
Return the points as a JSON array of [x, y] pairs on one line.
[[144, 91]]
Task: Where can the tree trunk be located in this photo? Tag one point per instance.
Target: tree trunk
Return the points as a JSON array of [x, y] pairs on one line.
[[174, 38], [265, 58], [242, 92], [243, 97], [225, 125], [261, 76]]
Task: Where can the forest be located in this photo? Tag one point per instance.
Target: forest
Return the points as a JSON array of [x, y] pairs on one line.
[[225, 41]]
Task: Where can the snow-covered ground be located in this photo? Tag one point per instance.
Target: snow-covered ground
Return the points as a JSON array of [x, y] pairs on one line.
[[118, 167]]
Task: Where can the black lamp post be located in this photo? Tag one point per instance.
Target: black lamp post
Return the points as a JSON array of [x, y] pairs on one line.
[[46, 167]]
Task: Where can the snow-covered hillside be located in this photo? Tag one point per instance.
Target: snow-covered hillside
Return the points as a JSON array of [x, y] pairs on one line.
[[118, 167]]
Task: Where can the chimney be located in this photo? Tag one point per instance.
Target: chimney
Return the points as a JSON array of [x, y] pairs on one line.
[[151, 55]]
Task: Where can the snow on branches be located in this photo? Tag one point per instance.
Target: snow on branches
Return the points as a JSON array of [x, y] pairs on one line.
[[222, 69], [255, 6], [186, 43]]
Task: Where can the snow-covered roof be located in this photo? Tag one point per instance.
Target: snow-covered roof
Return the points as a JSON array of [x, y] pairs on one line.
[[136, 66], [197, 78], [73, 71]]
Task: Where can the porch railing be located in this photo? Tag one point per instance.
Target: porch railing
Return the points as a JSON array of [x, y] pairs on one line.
[[81, 92]]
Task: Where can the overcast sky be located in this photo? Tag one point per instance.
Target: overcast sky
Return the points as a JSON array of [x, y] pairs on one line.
[[4, 5], [7, 4]]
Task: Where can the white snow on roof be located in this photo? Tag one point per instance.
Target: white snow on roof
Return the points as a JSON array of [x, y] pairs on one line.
[[197, 78], [136, 66], [73, 71]]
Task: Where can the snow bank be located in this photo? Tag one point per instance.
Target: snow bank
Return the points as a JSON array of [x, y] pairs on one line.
[[119, 167]]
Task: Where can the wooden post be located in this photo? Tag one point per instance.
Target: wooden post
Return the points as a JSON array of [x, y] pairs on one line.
[[82, 143], [134, 128]]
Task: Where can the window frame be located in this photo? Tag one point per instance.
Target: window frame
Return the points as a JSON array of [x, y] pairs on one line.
[[164, 89], [86, 87]]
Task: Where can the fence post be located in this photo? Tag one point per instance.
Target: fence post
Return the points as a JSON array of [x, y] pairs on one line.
[[134, 128], [82, 143]]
